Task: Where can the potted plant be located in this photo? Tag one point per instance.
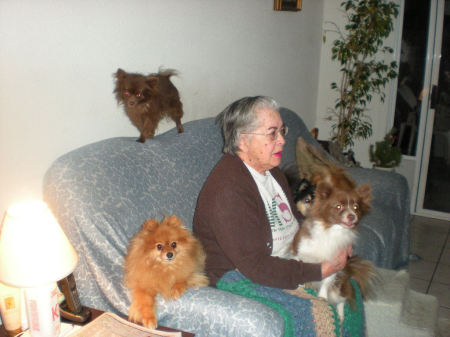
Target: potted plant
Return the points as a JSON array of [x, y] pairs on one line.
[[363, 73], [384, 155]]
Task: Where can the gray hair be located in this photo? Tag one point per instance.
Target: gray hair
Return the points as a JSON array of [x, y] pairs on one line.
[[240, 116]]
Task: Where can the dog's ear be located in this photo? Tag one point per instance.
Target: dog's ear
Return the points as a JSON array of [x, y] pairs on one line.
[[150, 224], [173, 221], [306, 186], [120, 74], [323, 190], [152, 81], [303, 189], [365, 193]]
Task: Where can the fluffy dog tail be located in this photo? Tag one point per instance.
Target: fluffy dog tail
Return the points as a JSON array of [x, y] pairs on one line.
[[167, 72], [364, 273]]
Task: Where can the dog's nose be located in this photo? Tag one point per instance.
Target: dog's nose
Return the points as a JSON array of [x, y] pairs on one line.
[[169, 255], [350, 217]]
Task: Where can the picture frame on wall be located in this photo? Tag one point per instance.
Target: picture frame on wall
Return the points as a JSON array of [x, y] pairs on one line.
[[287, 5]]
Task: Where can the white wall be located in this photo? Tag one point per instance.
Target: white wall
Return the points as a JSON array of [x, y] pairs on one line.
[[57, 60], [380, 113]]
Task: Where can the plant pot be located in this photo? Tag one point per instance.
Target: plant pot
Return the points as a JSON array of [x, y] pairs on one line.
[[382, 168]]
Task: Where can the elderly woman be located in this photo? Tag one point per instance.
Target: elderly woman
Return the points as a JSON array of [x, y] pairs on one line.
[[245, 217]]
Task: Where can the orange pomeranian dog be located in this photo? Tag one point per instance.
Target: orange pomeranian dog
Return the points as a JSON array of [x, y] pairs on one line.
[[163, 258]]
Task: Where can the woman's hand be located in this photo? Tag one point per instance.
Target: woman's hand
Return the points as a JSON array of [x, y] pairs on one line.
[[337, 263]]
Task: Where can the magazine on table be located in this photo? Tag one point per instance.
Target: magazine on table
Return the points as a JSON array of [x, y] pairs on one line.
[[111, 325]]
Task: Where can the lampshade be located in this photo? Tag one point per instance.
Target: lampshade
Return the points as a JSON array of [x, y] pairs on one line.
[[34, 250]]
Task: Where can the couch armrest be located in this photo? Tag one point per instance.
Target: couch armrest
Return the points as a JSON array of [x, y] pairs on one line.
[[384, 232], [212, 312]]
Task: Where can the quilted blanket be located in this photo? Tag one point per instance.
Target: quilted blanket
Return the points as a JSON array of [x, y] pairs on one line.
[[304, 314]]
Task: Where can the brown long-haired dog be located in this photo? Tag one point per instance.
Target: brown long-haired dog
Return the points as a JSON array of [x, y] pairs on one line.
[[163, 258], [331, 224], [147, 99]]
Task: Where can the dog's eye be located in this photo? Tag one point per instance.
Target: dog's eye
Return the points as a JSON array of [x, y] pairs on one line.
[[355, 207], [174, 245], [307, 201], [139, 95], [159, 246], [338, 206], [126, 93]]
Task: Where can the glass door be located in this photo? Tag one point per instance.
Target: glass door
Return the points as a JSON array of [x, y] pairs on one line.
[[422, 109], [433, 195]]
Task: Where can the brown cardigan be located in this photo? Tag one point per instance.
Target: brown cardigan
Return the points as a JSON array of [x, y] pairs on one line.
[[231, 222]]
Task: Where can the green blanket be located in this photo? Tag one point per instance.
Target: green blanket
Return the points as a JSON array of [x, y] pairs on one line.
[[304, 314]]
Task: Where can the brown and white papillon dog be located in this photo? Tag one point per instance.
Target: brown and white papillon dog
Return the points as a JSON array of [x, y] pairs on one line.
[[330, 225]]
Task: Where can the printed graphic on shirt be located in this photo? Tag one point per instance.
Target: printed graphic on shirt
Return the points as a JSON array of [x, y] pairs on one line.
[[283, 210], [283, 225]]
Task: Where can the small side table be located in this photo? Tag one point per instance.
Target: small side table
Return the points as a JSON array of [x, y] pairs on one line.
[[96, 313]]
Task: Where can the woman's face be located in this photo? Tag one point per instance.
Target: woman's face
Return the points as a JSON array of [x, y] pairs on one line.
[[258, 150]]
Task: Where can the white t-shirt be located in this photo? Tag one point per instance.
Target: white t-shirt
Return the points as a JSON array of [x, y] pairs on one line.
[[282, 221]]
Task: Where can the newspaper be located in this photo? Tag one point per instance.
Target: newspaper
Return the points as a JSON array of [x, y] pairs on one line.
[[111, 325]]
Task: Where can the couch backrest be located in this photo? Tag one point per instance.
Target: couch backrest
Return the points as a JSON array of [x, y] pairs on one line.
[[120, 183]]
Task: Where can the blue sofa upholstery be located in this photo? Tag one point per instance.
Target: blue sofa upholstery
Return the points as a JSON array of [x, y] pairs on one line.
[[101, 194]]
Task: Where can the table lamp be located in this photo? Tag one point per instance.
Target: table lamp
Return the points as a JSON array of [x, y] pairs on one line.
[[34, 254]]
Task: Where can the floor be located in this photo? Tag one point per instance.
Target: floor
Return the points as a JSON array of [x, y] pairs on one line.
[[429, 267]]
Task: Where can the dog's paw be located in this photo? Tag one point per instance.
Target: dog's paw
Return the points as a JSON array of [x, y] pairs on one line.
[[340, 309], [134, 314], [149, 322], [142, 312]]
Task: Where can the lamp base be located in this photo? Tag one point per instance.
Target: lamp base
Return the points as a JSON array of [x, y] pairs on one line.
[[43, 310]]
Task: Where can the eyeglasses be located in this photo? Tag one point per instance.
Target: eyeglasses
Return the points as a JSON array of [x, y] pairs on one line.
[[273, 135]]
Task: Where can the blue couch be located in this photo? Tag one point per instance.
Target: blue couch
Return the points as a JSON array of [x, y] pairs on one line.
[[101, 194]]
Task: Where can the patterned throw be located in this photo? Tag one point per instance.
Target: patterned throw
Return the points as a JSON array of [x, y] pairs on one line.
[[304, 314]]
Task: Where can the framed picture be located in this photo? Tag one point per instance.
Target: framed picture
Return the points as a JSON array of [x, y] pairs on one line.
[[287, 5]]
